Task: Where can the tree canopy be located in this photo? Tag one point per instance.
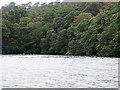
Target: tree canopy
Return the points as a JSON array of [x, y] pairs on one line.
[[62, 28]]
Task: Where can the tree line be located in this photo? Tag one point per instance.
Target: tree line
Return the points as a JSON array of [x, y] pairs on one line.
[[61, 29]]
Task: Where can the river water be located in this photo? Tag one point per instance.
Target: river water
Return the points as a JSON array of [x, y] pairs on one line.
[[49, 71]]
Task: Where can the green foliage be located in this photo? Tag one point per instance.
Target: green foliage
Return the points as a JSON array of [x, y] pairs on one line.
[[92, 8], [71, 47], [62, 28], [80, 17], [51, 37], [61, 42]]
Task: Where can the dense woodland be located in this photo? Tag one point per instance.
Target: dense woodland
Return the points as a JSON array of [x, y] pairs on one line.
[[90, 29]]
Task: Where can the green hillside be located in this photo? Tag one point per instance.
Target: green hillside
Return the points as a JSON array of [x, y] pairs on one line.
[[90, 29]]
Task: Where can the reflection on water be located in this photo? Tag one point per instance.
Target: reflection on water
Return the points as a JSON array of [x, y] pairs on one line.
[[59, 72]]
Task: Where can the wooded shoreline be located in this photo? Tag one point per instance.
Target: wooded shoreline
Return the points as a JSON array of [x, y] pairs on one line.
[[85, 29]]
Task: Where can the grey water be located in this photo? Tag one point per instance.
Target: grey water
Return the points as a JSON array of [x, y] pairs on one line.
[[54, 71]]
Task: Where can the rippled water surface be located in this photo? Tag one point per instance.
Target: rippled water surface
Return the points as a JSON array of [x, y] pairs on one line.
[[59, 72]]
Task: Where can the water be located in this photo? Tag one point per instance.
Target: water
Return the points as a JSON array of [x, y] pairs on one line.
[[47, 71]]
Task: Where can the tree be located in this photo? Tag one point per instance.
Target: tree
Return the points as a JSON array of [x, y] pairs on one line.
[[61, 42], [80, 17], [92, 8], [44, 45], [51, 38]]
